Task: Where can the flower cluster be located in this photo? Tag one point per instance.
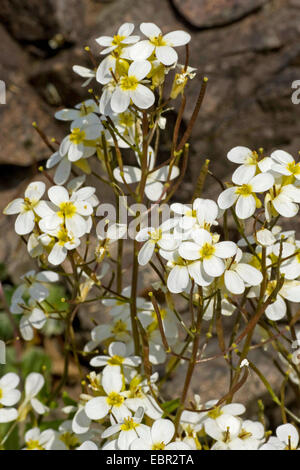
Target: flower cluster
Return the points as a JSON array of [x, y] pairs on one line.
[[154, 302]]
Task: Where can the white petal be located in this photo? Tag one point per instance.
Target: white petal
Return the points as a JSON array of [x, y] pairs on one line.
[[213, 266], [141, 50], [81, 422], [120, 100], [177, 38], [282, 157], [126, 29], [139, 69], [35, 190], [227, 198], [154, 190], [249, 274], [146, 253], [262, 182], [24, 223], [233, 282], [225, 249], [287, 432], [166, 55], [14, 207], [239, 154], [57, 195], [33, 384], [277, 310], [96, 408], [132, 174], [8, 414], [162, 431], [57, 255], [150, 29], [142, 97], [197, 272], [189, 251], [178, 279], [245, 207], [243, 174]]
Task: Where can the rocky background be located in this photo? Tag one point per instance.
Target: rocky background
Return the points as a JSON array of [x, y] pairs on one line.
[[249, 50]]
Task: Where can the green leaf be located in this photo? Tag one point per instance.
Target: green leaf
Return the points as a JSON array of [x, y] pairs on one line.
[[170, 406], [36, 360], [12, 442]]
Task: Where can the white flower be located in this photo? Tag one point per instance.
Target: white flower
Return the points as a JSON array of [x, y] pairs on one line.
[[244, 195], [202, 214], [113, 402], [9, 396], [249, 164], [37, 440], [117, 358], [139, 396], [33, 315], [123, 38], [85, 73], [281, 200], [159, 438], [35, 283], [33, 384], [154, 186], [207, 254], [160, 237], [119, 329], [285, 164], [161, 44], [178, 278], [87, 445], [26, 208], [79, 113], [80, 143], [71, 211], [239, 275], [287, 439], [129, 88], [129, 429], [277, 309], [250, 436]]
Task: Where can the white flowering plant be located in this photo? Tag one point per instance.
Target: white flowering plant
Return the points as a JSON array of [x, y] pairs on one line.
[[170, 283]]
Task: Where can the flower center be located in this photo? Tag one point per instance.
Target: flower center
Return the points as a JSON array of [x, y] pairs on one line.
[[115, 360], [67, 210], [77, 136], [85, 110], [119, 327], [293, 168], [155, 235], [207, 251], [34, 445], [70, 440], [158, 41], [159, 446], [129, 425], [215, 413], [117, 39], [245, 190], [62, 236], [29, 204], [114, 399], [191, 213], [244, 434], [126, 119], [129, 83]]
